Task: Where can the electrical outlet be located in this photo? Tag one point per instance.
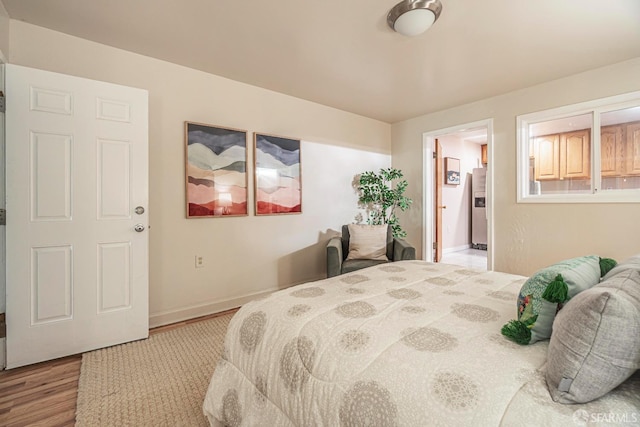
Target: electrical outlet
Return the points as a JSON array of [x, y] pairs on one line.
[[199, 261]]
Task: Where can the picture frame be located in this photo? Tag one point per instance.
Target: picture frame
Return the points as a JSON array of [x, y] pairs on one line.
[[452, 170], [215, 171], [277, 175]]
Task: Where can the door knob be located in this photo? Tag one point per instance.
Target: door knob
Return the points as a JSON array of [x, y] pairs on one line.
[[443, 207], [139, 210], [139, 228]]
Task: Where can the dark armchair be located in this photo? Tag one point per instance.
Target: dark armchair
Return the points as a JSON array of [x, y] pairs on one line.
[[338, 249]]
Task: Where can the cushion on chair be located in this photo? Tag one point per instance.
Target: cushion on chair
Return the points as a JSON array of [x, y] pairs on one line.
[[368, 242]]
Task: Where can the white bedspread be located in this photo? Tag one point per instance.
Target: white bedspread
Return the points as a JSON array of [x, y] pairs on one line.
[[409, 344]]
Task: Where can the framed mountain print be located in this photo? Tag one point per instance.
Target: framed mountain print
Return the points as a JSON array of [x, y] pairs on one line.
[[216, 171], [277, 174]]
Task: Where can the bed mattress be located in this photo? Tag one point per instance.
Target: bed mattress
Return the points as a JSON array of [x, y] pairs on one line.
[[408, 343]]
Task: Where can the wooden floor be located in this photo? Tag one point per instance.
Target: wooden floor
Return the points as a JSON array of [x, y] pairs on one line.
[[45, 394]]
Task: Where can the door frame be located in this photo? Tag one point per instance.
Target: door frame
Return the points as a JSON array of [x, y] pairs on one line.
[[3, 262], [428, 208]]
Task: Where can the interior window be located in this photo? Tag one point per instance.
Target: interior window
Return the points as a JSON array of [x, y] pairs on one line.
[[560, 155], [620, 149], [588, 152]]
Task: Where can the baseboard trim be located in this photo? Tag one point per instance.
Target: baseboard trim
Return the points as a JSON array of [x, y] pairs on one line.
[[456, 249], [181, 314]]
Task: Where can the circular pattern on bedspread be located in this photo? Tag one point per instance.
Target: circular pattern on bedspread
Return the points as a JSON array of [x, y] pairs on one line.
[[354, 279], [353, 341], [429, 339], [311, 292], [224, 358], [484, 281], [261, 390], [455, 391], [467, 272], [474, 313], [355, 291], [356, 309], [440, 281], [413, 309], [396, 279], [252, 330], [404, 293], [450, 292], [226, 354], [503, 295], [368, 404], [295, 363], [392, 269], [298, 310], [231, 409]]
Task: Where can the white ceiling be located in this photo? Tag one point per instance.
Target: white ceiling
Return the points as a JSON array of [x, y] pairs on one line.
[[342, 54]]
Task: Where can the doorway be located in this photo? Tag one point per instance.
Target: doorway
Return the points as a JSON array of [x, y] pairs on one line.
[[456, 209]]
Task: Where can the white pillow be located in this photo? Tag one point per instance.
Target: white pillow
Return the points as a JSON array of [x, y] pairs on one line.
[[368, 242]]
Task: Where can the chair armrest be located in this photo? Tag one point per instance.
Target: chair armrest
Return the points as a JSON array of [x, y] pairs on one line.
[[334, 257], [402, 250]]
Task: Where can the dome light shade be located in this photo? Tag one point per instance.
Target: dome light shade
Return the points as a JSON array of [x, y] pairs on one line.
[[414, 17]]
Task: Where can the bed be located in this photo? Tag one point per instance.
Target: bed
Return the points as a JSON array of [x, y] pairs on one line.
[[408, 343]]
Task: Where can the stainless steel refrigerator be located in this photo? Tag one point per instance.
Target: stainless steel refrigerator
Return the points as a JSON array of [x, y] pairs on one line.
[[479, 209]]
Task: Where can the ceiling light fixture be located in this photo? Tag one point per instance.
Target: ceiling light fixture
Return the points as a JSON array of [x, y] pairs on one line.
[[413, 17]]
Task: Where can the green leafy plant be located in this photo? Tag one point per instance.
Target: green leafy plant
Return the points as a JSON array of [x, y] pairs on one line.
[[381, 198]]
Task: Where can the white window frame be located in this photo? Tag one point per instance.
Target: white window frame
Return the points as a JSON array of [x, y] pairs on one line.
[[596, 108]]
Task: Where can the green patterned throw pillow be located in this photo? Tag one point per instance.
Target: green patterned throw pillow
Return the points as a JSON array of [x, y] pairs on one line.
[[544, 294]]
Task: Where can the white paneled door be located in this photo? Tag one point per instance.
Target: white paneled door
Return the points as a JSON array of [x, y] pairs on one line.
[[77, 215]]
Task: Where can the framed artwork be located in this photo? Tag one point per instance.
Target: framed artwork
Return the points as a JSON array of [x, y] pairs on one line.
[[216, 171], [278, 186], [452, 170]]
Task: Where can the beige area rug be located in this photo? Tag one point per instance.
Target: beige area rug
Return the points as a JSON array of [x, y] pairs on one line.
[[160, 381]]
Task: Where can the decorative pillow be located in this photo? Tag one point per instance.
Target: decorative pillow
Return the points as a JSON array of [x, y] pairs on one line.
[[544, 294], [368, 242], [595, 344]]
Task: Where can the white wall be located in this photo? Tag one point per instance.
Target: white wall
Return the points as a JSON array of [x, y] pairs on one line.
[[456, 218], [242, 255], [4, 33], [527, 236]]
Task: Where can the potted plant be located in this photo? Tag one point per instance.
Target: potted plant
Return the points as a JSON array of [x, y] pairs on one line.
[[380, 198]]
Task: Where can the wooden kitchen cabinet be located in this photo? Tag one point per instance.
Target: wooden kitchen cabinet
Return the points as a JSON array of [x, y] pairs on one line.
[[620, 150], [568, 155], [612, 148], [632, 153], [547, 155], [575, 154], [563, 156], [483, 149]]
